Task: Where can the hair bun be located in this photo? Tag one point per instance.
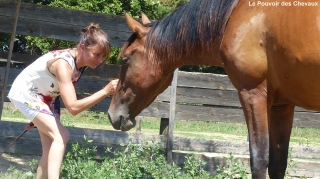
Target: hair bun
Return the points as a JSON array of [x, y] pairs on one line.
[[90, 28], [93, 27]]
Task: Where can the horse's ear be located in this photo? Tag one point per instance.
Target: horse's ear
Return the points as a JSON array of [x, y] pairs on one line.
[[144, 18], [135, 26]]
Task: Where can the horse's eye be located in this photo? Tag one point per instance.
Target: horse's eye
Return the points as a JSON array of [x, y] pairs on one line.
[[125, 60]]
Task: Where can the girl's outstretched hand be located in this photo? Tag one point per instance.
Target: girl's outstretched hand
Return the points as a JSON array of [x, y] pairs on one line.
[[111, 87]]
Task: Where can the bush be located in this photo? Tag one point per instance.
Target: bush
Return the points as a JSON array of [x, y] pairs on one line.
[[234, 169], [144, 160], [13, 173]]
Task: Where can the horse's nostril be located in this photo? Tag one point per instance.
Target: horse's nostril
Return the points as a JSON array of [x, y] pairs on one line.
[[121, 119], [115, 124], [127, 124]]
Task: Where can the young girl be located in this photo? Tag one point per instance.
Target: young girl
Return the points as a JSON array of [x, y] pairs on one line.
[[36, 91]]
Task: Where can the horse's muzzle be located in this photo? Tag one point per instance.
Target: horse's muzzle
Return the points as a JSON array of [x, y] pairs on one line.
[[127, 124], [122, 123]]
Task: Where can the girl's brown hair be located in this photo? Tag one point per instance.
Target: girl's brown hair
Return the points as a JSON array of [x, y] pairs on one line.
[[92, 35]]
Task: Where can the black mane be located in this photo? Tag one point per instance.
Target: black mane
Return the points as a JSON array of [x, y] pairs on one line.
[[200, 22]]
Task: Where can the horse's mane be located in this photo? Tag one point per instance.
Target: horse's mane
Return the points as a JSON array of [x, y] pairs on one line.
[[200, 22]]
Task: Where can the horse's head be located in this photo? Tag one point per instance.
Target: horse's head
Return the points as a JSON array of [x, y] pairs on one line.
[[141, 78]]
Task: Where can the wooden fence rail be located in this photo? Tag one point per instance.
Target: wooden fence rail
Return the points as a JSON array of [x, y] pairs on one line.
[[205, 97], [60, 23]]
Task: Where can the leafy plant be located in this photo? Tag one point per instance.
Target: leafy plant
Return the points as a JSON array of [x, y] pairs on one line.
[[291, 165], [79, 161], [33, 165], [233, 169], [194, 167], [144, 160], [13, 173]]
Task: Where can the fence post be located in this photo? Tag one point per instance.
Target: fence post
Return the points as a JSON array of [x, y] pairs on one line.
[[172, 116], [9, 57], [164, 126], [138, 124]]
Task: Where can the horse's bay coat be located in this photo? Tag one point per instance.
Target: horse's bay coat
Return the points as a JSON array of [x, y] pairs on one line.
[[270, 51]]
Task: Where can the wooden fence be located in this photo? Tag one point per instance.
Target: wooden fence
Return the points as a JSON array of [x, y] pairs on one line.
[[205, 97], [200, 96]]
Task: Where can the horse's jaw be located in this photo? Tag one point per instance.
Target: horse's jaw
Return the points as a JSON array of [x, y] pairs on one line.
[[120, 122]]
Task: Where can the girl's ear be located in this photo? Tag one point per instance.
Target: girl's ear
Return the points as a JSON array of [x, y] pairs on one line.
[[82, 47]]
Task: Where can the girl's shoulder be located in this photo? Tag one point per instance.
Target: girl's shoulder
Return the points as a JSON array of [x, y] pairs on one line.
[[64, 54]]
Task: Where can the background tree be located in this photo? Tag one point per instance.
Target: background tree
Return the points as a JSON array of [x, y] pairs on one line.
[[153, 8]]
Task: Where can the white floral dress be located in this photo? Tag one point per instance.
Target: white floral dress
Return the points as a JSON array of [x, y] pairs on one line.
[[37, 88]]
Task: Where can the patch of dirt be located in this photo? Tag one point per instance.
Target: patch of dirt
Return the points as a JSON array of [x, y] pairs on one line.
[[18, 162]]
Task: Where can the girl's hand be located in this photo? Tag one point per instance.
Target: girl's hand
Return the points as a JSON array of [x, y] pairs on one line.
[[30, 126], [111, 87]]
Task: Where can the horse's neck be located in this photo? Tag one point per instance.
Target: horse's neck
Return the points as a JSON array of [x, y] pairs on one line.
[[202, 57]]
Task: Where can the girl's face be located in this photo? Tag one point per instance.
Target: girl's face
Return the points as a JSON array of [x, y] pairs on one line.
[[93, 56]]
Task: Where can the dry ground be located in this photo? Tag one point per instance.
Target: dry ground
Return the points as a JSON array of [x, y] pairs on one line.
[[19, 162]]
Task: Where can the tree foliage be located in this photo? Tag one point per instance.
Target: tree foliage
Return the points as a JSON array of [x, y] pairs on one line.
[[155, 9]]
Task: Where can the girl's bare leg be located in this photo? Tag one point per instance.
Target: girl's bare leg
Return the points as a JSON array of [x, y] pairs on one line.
[[42, 171], [51, 128]]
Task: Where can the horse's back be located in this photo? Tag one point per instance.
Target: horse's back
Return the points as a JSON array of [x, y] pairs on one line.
[[280, 45]]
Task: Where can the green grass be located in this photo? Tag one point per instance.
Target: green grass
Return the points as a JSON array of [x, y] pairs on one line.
[[193, 129], [13, 173]]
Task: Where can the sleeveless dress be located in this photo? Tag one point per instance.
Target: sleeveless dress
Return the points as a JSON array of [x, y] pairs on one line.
[[38, 89]]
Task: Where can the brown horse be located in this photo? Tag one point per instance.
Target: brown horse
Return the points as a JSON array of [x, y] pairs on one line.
[[270, 53]]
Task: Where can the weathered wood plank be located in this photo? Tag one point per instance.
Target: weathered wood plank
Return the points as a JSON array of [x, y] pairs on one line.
[[24, 58], [13, 73], [306, 119], [105, 71], [172, 114], [203, 96], [57, 31], [61, 23], [64, 16], [220, 114], [205, 80], [13, 129]]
